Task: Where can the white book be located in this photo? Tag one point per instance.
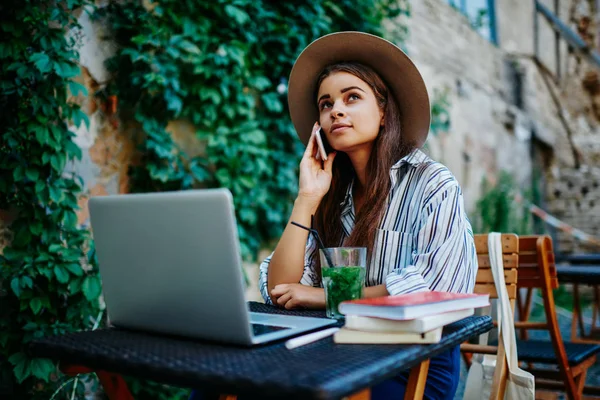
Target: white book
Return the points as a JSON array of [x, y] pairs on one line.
[[417, 325], [348, 336]]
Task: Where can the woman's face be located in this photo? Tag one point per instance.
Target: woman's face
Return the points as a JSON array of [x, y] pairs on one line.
[[348, 111]]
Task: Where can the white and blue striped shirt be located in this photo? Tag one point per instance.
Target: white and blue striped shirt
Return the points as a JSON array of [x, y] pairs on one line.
[[424, 241]]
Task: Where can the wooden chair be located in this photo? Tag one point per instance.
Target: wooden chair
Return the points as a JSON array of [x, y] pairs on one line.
[[484, 284], [537, 270]]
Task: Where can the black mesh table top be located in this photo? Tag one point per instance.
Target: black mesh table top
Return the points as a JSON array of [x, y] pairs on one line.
[[583, 274], [320, 370]]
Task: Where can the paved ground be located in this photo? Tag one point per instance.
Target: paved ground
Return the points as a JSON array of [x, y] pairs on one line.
[[564, 320]]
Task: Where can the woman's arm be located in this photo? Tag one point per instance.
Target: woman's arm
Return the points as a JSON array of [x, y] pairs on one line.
[[375, 291], [287, 263]]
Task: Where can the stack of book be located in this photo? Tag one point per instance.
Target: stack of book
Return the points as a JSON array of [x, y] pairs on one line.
[[409, 318]]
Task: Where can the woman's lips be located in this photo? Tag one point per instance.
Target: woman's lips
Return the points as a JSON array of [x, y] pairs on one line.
[[339, 129]]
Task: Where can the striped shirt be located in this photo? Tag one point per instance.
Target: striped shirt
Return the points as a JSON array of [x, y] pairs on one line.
[[424, 241]]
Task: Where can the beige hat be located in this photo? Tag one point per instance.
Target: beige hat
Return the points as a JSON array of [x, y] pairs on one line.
[[392, 64]]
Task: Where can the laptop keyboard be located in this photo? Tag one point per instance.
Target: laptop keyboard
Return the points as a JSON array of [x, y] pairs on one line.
[[260, 329]]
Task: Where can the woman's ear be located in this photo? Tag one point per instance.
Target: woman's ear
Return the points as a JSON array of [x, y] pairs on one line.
[[382, 122]]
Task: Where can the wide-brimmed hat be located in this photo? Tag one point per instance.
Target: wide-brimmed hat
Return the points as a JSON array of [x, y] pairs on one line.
[[388, 60]]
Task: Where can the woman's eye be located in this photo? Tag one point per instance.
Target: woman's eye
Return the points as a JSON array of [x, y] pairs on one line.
[[353, 97], [325, 105]]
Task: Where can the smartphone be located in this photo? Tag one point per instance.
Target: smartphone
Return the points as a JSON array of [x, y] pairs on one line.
[[321, 145]]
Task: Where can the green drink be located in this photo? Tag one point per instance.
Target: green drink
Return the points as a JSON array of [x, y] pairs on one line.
[[342, 283], [345, 279]]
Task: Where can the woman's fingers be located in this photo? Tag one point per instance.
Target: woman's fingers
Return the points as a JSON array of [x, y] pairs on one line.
[[290, 304], [278, 290], [284, 299], [310, 147]]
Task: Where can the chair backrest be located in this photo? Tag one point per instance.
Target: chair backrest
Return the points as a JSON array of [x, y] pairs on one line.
[[536, 262], [484, 283], [537, 270]]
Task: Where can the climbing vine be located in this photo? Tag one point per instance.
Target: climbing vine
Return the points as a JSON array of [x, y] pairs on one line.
[[48, 275], [223, 66]]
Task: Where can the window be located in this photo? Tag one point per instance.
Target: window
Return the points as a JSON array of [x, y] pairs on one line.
[[481, 15]]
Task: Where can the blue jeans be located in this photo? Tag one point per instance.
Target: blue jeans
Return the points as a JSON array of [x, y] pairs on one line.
[[442, 381]]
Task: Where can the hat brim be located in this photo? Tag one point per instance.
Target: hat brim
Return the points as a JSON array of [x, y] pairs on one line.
[[389, 61]]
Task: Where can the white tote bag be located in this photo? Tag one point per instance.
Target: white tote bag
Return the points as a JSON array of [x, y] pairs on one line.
[[520, 384]]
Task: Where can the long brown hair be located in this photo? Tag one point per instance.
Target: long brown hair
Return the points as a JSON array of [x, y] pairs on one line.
[[388, 148]]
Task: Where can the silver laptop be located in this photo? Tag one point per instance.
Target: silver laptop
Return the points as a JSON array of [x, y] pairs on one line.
[[170, 262]]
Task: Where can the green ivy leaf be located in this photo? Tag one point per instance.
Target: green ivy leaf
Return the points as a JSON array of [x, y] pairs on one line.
[[21, 366], [189, 47], [70, 219], [73, 150], [36, 305], [79, 116], [237, 14], [15, 286], [174, 103], [56, 248], [75, 269], [56, 133], [21, 237], [41, 134], [19, 174], [33, 174], [75, 286], [17, 358], [57, 161], [91, 287], [26, 282], [272, 103], [41, 61], [42, 368], [199, 171], [12, 254], [30, 326], [260, 83], [75, 88], [61, 275], [66, 70], [36, 227], [56, 194]]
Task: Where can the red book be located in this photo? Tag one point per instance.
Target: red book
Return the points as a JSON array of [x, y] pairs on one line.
[[413, 305]]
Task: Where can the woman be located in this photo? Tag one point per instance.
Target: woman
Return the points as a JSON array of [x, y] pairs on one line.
[[376, 189]]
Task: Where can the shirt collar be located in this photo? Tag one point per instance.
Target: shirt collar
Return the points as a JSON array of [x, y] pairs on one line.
[[347, 204], [413, 158]]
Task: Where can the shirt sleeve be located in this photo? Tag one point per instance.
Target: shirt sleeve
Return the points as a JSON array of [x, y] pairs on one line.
[[310, 277], [444, 257]]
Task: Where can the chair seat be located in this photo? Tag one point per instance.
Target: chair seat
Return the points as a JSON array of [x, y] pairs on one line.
[[541, 351]]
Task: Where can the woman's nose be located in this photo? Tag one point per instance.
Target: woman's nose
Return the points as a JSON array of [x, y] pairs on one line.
[[337, 111]]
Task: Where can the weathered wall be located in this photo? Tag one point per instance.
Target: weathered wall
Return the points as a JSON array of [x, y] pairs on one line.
[[487, 132], [493, 122]]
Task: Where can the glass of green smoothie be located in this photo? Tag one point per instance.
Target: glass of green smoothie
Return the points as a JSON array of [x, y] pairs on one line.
[[343, 273]]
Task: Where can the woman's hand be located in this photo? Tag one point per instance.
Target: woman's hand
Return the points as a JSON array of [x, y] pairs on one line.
[[296, 295], [315, 178]]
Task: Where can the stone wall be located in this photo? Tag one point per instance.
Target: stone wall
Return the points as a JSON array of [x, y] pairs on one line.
[[507, 106], [488, 133]]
